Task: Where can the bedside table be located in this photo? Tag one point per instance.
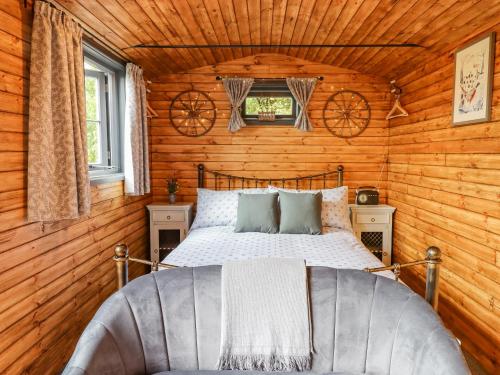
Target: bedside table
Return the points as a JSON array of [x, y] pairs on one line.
[[372, 225], [168, 226]]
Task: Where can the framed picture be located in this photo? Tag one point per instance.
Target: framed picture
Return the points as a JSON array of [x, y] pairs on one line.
[[473, 81]]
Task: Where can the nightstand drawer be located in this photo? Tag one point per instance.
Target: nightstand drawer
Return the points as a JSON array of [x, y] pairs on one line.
[[372, 219], [166, 216]]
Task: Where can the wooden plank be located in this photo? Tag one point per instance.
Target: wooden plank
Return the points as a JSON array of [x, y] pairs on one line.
[[352, 17], [204, 22], [443, 181]]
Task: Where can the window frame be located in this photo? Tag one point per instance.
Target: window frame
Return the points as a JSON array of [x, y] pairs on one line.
[[270, 88], [112, 112], [103, 118]]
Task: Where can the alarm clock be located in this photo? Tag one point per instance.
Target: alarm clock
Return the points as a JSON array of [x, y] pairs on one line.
[[367, 195]]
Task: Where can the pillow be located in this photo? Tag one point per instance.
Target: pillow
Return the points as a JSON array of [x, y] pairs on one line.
[[335, 206], [300, 212], [218, 207], [215, 208], [257, 213]]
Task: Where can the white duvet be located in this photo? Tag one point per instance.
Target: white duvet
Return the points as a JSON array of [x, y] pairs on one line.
[[215, 245]]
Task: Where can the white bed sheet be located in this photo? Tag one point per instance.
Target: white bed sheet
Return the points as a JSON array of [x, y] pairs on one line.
[[215, 245]]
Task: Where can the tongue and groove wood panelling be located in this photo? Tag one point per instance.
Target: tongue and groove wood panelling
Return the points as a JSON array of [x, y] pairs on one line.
[[320, 22], [53, 277], [268, 151], [445, 183]]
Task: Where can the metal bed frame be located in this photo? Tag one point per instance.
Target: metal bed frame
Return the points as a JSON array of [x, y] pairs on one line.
[[432, 259]]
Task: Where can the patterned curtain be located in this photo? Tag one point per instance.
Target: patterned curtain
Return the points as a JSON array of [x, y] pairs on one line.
[[302, 90], [136, 154], [237, 90], [58, 180]]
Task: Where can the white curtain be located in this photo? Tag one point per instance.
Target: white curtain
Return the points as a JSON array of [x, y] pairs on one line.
[[136, 153], [58, 180], [237, 90], [302, 90]]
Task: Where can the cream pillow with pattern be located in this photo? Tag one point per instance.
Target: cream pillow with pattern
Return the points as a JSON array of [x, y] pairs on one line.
[[219, 207]]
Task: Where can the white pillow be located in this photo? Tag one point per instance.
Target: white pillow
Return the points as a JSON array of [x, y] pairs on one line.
[[335, 206], [219, 207]]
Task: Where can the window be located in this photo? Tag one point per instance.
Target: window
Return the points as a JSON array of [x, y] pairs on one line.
[[269, 102], [104, 100]]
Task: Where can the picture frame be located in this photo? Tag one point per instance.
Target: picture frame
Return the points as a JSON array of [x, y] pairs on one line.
[[473, 81]]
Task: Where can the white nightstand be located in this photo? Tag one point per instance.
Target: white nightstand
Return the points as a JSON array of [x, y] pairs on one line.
[[168, 226], [372, 225]]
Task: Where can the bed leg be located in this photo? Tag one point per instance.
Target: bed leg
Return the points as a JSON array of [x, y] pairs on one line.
[[121, 259], [432, 280]]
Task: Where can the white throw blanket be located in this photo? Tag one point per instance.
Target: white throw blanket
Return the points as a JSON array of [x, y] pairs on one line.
[[265, 315]]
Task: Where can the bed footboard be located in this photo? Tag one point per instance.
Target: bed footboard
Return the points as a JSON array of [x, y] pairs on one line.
[[432, 261]]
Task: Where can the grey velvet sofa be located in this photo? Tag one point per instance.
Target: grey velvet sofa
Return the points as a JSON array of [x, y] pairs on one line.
[[169, 322]]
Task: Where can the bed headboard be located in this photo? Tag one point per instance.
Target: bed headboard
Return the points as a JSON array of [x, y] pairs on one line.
[[236, 182]]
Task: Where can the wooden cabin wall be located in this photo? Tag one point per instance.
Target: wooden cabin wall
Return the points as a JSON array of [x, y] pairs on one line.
[[52, 277], [445, 183], [267, 151]]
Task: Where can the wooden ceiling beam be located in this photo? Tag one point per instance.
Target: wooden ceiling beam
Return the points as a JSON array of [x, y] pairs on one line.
[[237, 46]]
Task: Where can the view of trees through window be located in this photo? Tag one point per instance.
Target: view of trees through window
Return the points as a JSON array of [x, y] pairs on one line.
[[278, 105], [93, 117]]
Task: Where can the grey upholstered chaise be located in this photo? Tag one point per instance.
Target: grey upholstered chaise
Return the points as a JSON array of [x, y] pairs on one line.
[[170, 321]]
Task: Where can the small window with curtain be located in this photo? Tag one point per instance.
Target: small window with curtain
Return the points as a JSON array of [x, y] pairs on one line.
[[269, 102], [104, 100]]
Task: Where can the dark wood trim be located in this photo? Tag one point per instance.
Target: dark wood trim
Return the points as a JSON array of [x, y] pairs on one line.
[[195, 46], [234, 181]]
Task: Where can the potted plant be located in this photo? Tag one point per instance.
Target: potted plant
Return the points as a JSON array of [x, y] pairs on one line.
[[173, 187]]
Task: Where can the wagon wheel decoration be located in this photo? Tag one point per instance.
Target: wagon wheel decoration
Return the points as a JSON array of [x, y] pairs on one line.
[[346, 114], [192, 113]]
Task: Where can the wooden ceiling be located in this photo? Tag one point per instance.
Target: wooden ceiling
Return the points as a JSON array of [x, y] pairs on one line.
[[437, 25]]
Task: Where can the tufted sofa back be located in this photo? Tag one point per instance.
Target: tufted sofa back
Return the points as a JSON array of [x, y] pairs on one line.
[[362, 323]]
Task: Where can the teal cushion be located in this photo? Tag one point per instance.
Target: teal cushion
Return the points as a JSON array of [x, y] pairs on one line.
[[257, 213], [300, 212]]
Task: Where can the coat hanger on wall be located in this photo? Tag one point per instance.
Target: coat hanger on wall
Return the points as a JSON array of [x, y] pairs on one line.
[[150, 112], [397, 110]]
